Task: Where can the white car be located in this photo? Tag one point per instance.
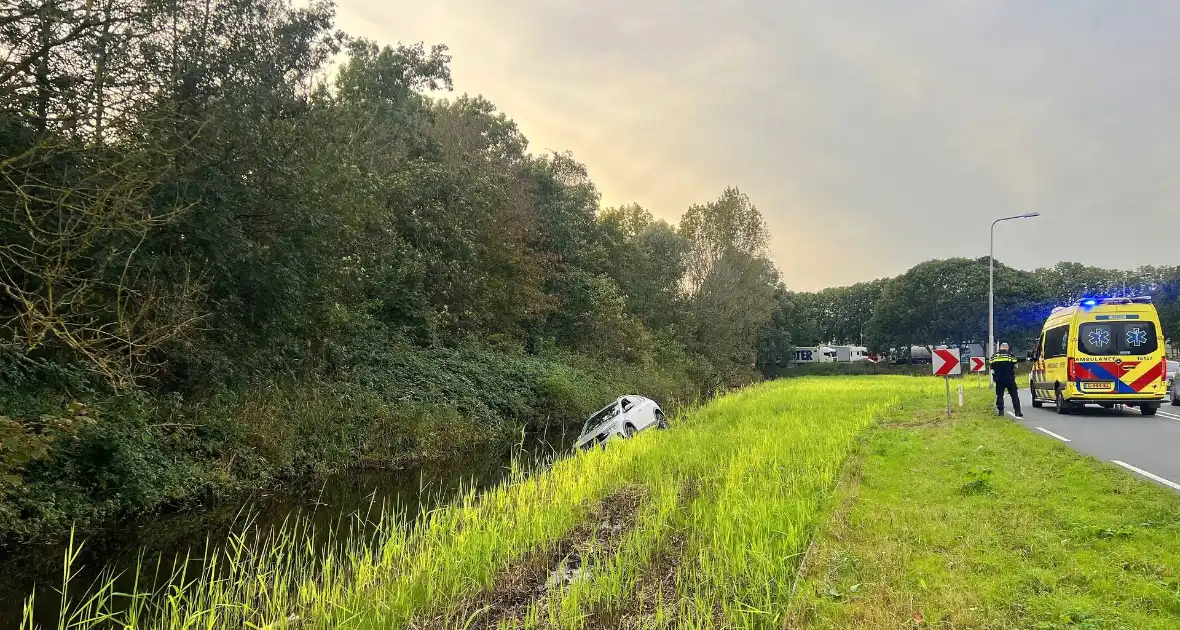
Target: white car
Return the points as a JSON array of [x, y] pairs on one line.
[[623, 418]]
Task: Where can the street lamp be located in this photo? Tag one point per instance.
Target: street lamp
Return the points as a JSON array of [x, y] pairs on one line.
[[991, 283]]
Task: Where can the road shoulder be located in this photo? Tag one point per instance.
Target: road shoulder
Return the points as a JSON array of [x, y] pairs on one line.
[[1123, 436], [980, 523]]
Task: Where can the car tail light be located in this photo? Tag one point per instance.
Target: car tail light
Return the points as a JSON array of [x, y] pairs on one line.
[[1071, 369]]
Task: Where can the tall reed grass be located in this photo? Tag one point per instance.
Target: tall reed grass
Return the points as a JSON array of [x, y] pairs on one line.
[[738, 483]]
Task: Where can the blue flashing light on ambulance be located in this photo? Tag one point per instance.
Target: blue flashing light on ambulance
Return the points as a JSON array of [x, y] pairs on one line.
[[1101, 351]]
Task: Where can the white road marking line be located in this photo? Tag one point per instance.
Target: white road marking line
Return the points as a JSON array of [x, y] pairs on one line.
[[1044, 430], [1169, 415], [1170, 484]]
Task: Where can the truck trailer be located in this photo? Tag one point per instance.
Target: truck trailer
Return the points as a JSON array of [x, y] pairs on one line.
[[815, 354]]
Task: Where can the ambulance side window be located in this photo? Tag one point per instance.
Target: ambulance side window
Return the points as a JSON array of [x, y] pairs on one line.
[[1056, 341]]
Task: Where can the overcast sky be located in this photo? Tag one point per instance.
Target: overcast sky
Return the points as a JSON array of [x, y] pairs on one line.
[[872, 135]]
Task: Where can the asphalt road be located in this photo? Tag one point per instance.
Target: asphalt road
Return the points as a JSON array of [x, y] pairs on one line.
[[1146, 446]]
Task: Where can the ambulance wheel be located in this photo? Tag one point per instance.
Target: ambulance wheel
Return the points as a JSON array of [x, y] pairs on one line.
[[1063, 407], [1149, 410]]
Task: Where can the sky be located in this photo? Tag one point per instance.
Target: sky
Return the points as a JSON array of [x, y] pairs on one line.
[[871, 135]]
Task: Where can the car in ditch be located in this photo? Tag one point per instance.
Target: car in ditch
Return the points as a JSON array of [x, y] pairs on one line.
[[623, 418]]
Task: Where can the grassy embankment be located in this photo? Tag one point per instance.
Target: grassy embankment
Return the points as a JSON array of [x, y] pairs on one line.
[[700, 526], [975, 523], [981, 523]]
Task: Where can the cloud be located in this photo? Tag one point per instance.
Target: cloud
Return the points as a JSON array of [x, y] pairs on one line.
[[872, 135]]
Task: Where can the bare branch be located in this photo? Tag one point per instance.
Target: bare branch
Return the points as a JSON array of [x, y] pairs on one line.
[[77, 32]]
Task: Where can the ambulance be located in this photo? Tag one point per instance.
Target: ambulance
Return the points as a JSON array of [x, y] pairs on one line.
[[1102, 352]]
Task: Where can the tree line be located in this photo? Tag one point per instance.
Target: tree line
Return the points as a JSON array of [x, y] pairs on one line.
[[945, 301], [214, 209]]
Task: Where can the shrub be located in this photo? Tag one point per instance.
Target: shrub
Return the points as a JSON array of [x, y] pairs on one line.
[[130, 453]]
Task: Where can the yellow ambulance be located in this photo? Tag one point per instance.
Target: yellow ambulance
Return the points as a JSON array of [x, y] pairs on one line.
[[1105, 352]]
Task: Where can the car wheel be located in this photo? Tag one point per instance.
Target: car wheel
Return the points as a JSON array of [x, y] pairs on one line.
[[661, 421], [1176, 396], [1036, 402], [629, 430], [1062, 406], [1149, 410]]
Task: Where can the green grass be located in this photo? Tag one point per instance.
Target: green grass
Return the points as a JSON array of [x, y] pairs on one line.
[[732, 493], [971, 523], [981, 523]]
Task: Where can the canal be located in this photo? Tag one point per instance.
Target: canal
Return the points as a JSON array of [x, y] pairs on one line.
[[185, 536]]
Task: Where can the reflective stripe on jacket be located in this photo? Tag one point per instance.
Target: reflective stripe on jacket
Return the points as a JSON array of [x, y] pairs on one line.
[[1003, 367]]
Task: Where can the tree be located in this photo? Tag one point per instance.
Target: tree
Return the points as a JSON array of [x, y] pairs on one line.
[[714, 230], [72, 260], [775, 340], [945, 301], [198, 207], [732, 308], [646, 259], [801, 312], [840, 314], [729, 281], [1069, 281]]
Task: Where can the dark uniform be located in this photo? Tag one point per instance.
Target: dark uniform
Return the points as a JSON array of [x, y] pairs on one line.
[[1004, 375]]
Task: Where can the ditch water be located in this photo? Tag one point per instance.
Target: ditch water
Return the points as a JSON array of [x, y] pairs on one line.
[[323, 504]]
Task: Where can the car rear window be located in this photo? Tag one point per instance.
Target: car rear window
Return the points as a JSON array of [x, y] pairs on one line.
[[1107, 338]]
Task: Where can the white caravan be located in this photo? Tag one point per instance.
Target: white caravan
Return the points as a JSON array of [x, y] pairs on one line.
[[848, 354]]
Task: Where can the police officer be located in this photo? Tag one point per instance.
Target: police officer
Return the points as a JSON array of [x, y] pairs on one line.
[[1004, 375]]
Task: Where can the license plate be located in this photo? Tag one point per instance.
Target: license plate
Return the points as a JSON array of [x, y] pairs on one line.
[[1102, 386]]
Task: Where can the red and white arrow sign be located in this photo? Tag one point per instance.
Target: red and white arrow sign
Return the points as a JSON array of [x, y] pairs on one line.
[[978, 364], [946, 362]]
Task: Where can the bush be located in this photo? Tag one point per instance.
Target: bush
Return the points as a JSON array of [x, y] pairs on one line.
[[131, 453]]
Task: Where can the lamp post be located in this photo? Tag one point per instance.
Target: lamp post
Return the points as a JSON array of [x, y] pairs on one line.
[[991, 284]]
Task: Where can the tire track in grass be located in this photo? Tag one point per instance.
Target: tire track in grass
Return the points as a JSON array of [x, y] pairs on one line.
[[631, 590], [521, 593]]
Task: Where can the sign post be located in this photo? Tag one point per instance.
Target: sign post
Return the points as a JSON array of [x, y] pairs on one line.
[[946, 364], [978, 366]]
